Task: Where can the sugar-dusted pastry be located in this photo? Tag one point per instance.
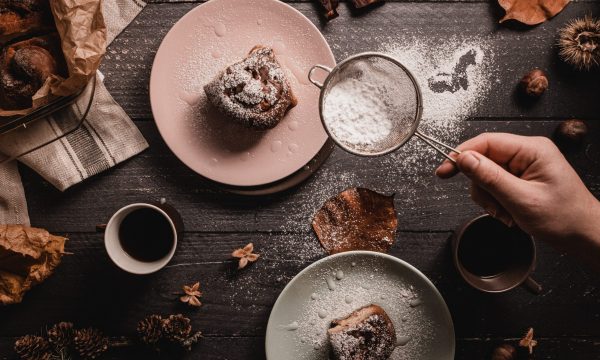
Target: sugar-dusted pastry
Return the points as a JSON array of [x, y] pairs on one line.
[[366, 334], [254, 92], [25, 66], [22, 17]]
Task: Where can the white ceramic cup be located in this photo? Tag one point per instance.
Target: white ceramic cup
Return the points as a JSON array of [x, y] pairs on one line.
[[118, 255]]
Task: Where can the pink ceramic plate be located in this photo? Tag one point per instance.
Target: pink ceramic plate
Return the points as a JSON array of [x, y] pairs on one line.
[[206, 40]]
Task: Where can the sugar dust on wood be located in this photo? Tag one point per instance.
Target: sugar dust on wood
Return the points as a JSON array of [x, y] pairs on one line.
[[458, 78], [146, 235]]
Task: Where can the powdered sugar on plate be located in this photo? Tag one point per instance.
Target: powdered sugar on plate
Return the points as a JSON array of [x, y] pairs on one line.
[[335, 288]]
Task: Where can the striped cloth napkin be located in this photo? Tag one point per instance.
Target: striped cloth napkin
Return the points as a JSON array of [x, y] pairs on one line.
[[107, 138]]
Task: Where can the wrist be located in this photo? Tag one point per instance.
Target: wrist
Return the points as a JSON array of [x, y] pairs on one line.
[[587, 238]]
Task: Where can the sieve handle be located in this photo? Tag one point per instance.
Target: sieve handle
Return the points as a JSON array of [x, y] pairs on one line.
[[435, 143], [311, 72]]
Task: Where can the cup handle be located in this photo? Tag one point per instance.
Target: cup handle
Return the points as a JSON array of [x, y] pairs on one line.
[[533, 286], [311, 72]]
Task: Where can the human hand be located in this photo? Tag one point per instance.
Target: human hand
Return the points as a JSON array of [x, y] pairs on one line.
[[527, 181]]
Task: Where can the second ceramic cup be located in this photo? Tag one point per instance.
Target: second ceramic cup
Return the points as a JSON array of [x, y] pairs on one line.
[[141, 238], [493, 257]]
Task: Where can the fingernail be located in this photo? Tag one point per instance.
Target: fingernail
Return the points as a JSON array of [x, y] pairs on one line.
[[468, 163], [442, 165]]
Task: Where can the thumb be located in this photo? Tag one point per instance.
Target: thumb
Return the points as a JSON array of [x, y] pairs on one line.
[[501, 184]]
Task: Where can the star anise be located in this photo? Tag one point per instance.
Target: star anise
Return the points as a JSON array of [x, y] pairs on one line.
[[246, 255], [192, 294], [528, 341]]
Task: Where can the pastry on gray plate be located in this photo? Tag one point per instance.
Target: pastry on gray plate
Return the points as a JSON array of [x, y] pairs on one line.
[[366, 334]]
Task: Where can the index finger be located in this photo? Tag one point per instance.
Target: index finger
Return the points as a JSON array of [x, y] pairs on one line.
[[509, 150]]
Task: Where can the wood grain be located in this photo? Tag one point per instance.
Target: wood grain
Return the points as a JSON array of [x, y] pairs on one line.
[[423, 202], [89, 290], [248, 295], [516, 51]]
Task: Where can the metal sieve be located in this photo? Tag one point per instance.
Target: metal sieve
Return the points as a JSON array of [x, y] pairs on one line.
[[395, 88]]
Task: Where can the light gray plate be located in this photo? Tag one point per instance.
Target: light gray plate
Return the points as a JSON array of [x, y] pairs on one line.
[[335, 286]]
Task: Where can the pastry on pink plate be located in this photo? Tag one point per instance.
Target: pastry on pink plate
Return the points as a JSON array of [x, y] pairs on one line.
[[254, 92]]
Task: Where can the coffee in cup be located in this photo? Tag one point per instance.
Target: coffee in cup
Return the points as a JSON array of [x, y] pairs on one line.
[[493, 257], [141, 238]]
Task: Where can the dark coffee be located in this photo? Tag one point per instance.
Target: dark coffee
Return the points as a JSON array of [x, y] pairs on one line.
[[489, 248], [146, 235]]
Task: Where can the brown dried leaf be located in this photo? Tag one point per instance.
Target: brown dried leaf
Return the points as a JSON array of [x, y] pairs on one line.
[[330, 7], [238, 253], [528, 341], [359, 4], [245, 255], [356, 219], [243, 263], [252, 257], [249, 248], [531, 12], [192, 294], [27, 257]]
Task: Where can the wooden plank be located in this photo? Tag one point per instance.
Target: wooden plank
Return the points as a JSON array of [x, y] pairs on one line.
[[423, 202], [242, 348], [572, 94], [210, 348], [89, 290]]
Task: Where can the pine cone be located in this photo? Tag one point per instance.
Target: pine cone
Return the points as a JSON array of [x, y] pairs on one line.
[[32, 347], [187, 343], [90, 343], [61, 335], [150, 329], [177, 328]]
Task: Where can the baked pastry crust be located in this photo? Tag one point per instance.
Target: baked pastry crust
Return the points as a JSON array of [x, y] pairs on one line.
[[25, 66], [366, 334], [254, 92], [22, 17]]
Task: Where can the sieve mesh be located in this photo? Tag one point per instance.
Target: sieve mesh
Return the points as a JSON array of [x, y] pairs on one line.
[[370, 105]]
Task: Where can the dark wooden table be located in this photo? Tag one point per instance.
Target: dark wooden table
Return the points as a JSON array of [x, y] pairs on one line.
[[88, 290]]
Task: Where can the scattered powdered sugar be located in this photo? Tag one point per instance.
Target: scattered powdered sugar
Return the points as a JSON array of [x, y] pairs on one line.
[[455, 75], [407, 170], [410, 169], [366, 282]]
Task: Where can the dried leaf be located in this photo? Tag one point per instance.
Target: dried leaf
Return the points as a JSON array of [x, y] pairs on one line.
[[238, 253], [330, 7], [243, 263], [356, 219], [192, 294], [528, 341], [27, 257], [194, 301], [359, 4], [252, 257], [531, 12], [245, 255]]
